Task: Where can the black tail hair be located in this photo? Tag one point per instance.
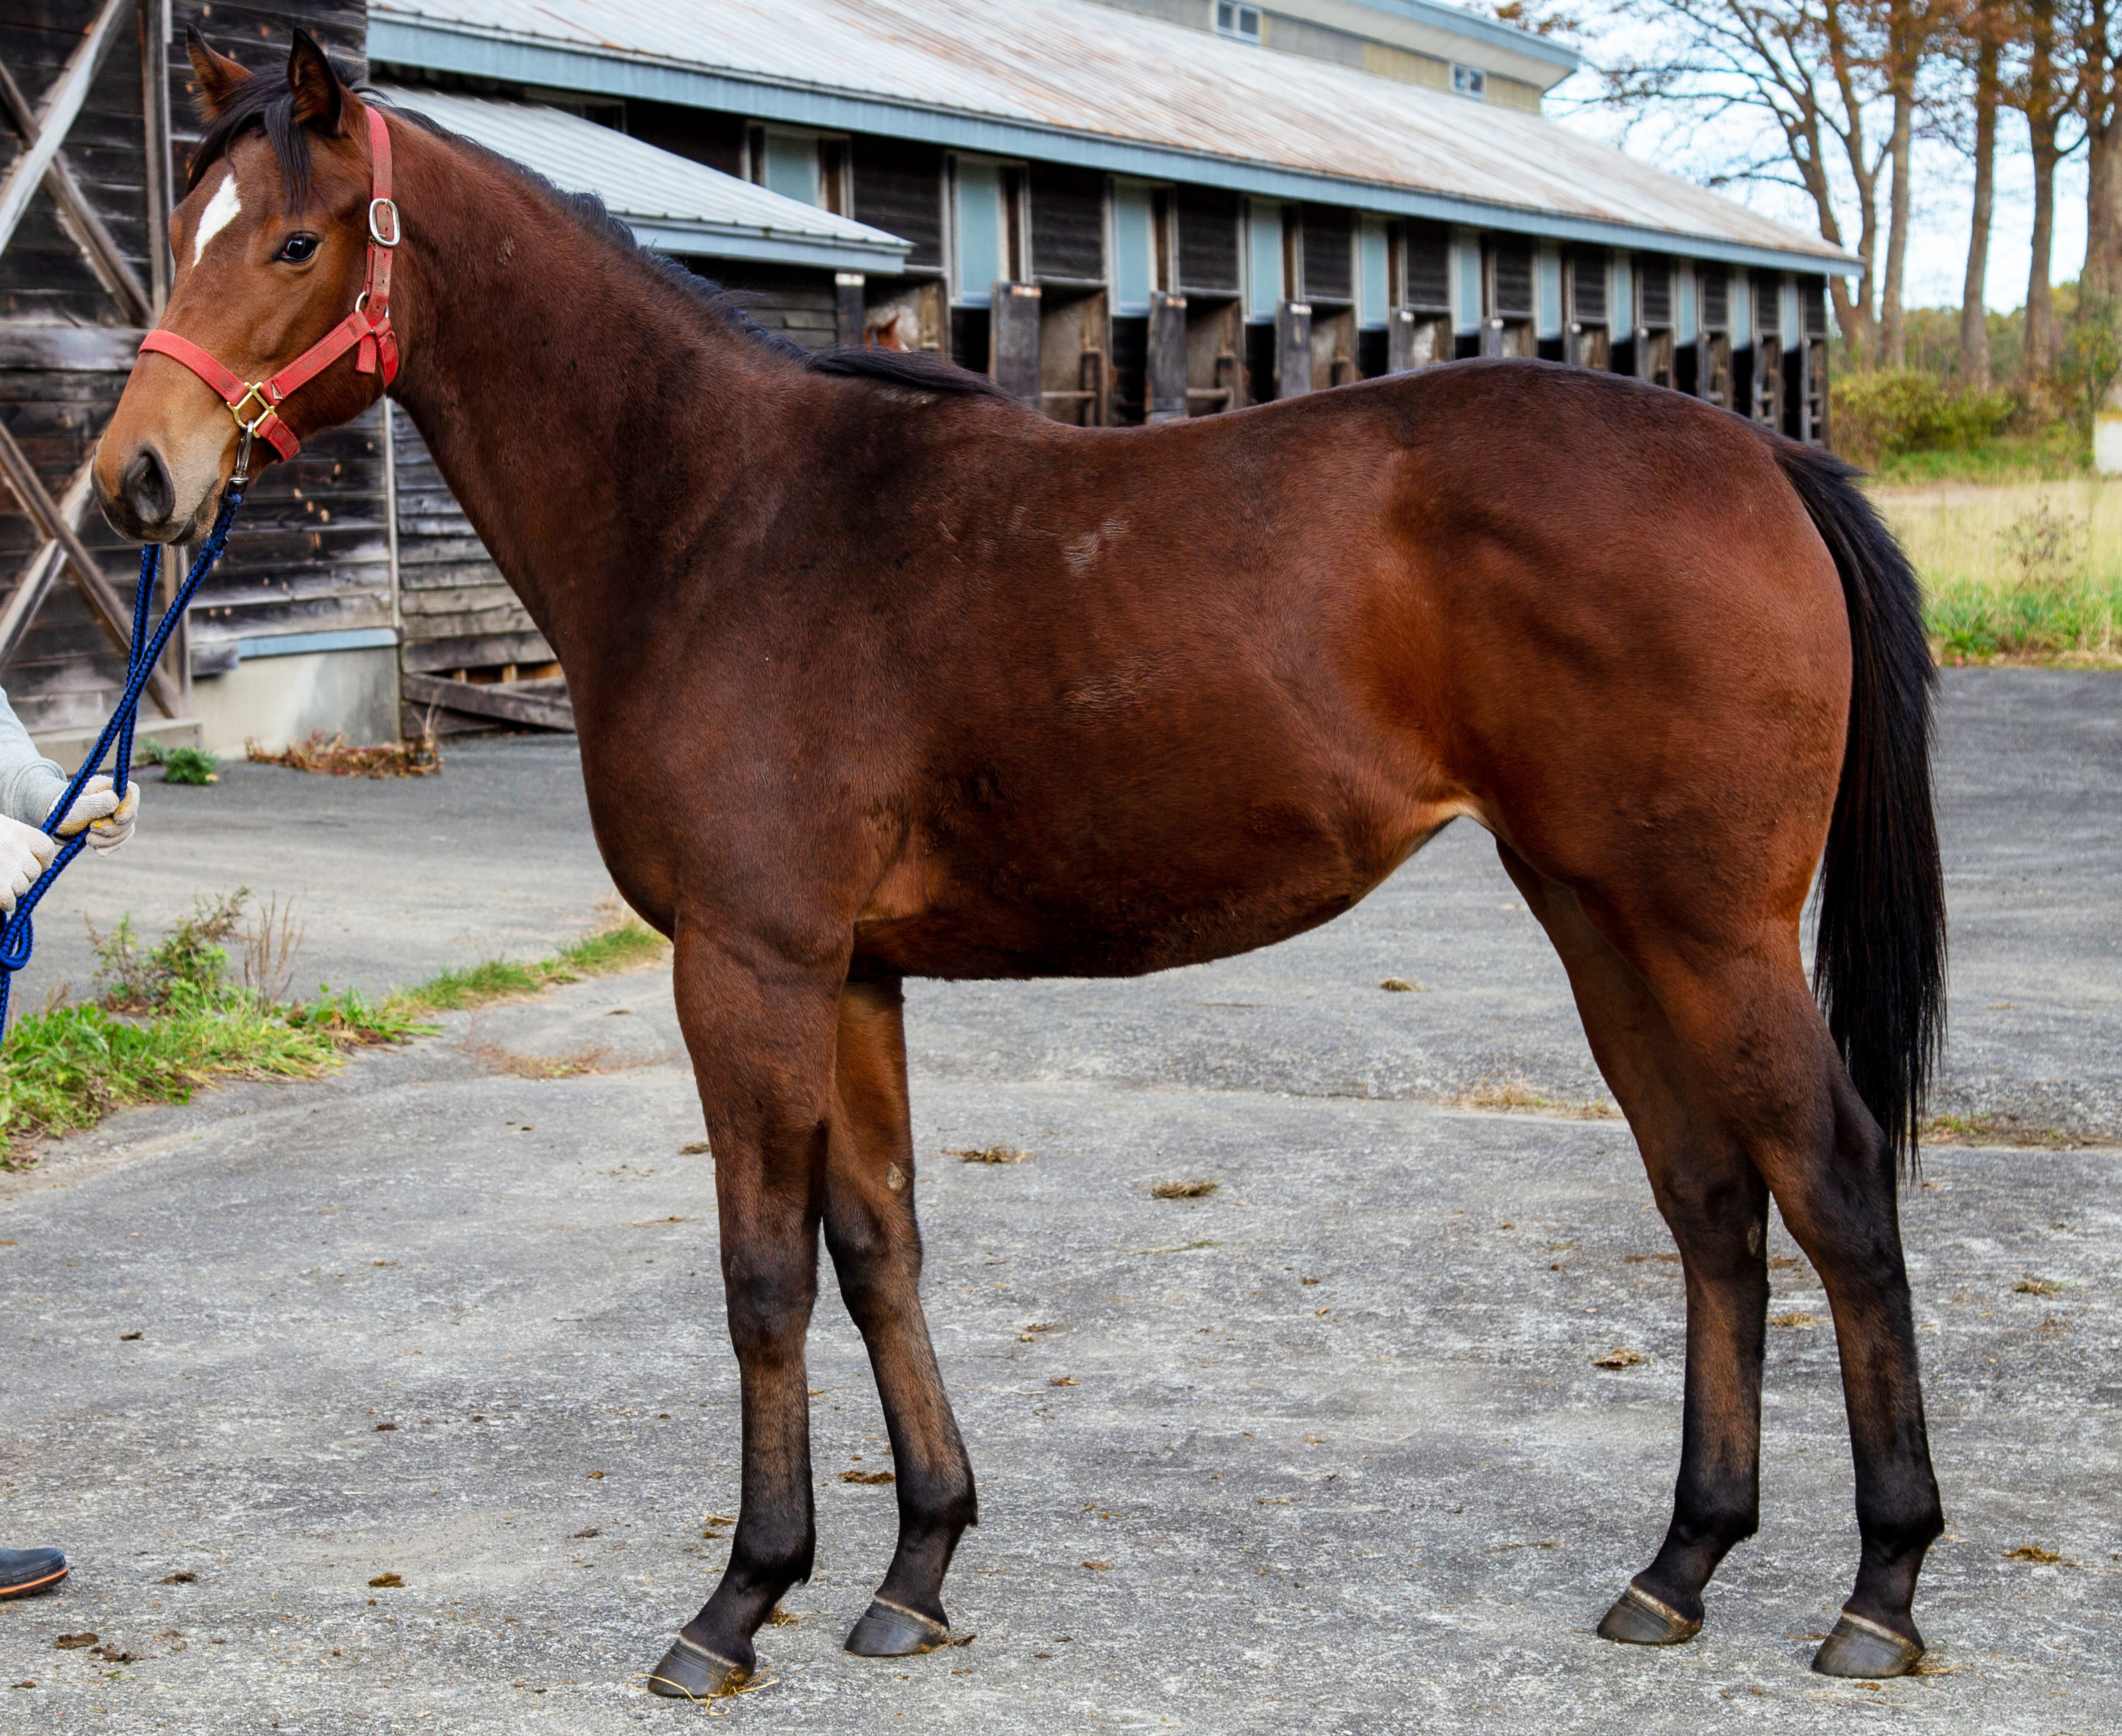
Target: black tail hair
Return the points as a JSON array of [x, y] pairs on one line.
[[1879, 964]]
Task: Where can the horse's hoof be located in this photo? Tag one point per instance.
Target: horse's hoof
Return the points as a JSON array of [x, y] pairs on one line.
[[1637, 1619], [1866, 1650], [691, 1672], [893, 1630]]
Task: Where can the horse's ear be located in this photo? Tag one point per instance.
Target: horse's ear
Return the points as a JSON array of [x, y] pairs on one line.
[[218, 76], [319, 96]]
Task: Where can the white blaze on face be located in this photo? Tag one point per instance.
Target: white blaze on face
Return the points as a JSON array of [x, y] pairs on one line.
[[221, 210]]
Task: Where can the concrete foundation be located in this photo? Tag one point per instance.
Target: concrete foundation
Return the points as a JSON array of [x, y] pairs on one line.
[[273, 701]]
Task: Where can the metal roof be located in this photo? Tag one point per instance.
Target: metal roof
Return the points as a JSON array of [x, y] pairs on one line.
[[670, 203], [1071, 80]]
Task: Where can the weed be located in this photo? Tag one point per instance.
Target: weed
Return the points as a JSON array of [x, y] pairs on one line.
[[183, 765], [189, 965]]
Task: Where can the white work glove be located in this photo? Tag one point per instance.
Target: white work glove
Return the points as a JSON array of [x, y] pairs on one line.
[[25, 853], [109, 820]]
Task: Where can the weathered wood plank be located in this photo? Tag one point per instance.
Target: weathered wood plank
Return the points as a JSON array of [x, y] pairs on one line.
[[505, 700], [484, 651]]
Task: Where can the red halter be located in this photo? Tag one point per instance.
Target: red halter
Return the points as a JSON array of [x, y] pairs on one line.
[[256, 404]]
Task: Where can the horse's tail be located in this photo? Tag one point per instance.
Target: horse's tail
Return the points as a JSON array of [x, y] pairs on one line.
[[1879, 966]]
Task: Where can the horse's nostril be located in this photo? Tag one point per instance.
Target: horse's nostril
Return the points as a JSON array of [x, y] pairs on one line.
[[147, 488]]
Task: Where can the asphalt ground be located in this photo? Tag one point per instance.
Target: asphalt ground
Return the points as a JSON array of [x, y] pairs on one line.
[[1395, 1498]]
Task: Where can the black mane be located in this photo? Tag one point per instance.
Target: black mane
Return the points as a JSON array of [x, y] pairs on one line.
[[263, 101]]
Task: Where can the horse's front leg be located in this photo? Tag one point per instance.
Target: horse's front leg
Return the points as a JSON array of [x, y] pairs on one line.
[[871, 1232], [760, 1029]]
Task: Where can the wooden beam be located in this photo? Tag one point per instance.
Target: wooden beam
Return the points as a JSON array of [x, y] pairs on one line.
[[155, 127], [55, 118], [31, 588], [504, 700], [20, 475], [89, 233]]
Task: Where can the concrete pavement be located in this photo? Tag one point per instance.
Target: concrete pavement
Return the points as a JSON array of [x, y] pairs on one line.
[[1395, 1498]]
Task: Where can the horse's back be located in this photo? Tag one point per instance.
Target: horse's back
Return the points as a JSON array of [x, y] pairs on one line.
[[1167, 695]]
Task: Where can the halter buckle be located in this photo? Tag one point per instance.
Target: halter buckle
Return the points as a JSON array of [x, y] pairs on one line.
[[382, 215], [251, 389]]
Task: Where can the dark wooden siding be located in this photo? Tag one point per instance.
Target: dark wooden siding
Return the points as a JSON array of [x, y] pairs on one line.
[[899, 189], [1209, 239], [1068, 224], [1714, 287], [1512, 265], [699, 135], [782, 298], [1329, 254], [1654, 272], [460, 612], [43, 274], [1428, 267]]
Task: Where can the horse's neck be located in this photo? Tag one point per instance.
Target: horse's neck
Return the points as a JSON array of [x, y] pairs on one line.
[[562, 394]]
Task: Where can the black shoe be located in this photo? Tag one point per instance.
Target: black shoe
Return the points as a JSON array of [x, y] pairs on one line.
[[25, 1572]]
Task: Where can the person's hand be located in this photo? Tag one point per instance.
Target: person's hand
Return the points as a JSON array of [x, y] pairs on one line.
[[109, 820], [25, 853]]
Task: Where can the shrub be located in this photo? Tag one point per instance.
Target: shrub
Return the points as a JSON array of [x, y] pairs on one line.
[[1879, 416]]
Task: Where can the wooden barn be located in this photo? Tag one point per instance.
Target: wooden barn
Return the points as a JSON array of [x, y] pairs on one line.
[[1124, 210]]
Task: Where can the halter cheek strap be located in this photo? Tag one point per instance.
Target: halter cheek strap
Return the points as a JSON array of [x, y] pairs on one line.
[[256, 404]]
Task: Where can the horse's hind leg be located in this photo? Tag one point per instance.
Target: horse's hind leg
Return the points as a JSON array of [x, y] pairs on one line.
[[1753, 1058], [1716, 1204], [876, 1246]]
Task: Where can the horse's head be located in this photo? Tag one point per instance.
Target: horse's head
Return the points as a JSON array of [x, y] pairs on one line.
[[271, 243]]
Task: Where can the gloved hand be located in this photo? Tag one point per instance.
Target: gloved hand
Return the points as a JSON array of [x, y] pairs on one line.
[[109, 820], [25, 853]]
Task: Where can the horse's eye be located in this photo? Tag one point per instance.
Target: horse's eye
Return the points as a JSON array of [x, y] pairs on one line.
[[296, 249]]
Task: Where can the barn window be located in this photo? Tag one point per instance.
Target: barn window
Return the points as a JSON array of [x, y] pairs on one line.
[[1469, 82], [1240, 21]]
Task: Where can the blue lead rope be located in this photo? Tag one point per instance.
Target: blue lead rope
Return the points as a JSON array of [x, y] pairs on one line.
[[16, 935]]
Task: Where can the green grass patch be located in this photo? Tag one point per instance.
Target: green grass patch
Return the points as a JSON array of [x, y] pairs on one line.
[[2057, 453], [623, 945], [2024, 571], [167, 1019]]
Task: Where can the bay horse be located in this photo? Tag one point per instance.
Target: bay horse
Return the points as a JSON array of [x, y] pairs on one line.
[[878, 674]]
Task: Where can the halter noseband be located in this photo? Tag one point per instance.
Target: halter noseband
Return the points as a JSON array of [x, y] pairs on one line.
[[256, 404]]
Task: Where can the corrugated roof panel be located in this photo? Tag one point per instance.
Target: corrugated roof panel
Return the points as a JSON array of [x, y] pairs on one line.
[[670, 203], [1077, 67]]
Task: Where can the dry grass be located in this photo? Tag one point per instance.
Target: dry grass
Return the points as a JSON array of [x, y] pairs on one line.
[[1619, 1357], [2020, 572], [1195, 1189], [1515, 1096], [335, 757], [988, 1155], [2009, 1130], [592, 1058]]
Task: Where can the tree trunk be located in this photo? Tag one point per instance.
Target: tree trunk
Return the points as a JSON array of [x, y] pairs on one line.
[[2042, 117], [2101, 281], [1974, 308], [1893, 331]]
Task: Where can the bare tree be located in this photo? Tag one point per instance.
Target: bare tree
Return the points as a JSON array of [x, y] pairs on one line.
[[1980, 46], [2098, 54], [2042, 93], [1820, 75]]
